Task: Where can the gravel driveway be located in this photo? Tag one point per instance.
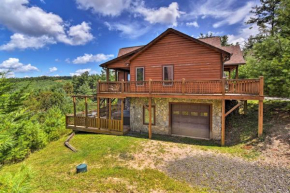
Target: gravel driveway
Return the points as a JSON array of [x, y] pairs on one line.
[[225, 174]]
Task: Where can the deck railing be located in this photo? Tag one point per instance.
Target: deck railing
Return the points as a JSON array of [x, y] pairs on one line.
[[94, 122], [221, 86]]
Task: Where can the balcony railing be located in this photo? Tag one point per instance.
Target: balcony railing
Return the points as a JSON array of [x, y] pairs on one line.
[[222, 86], [94, 122]]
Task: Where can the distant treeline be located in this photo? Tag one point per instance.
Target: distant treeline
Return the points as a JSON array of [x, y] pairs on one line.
[[41, 78]]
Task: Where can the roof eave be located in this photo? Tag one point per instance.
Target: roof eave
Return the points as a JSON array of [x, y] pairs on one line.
[[103, 65]]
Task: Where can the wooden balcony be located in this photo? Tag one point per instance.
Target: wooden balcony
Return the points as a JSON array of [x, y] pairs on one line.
[[224, 89], [96, 125], [93, 122]]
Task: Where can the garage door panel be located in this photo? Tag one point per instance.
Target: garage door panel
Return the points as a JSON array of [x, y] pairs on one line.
[[191, 120]]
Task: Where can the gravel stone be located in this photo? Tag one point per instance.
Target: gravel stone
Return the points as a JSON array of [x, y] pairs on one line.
[[227, 174]]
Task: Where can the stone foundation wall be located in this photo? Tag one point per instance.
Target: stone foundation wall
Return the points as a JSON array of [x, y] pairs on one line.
[[162, 114]]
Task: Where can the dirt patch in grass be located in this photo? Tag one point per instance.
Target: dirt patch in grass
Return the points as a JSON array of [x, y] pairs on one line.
[[274, 145], [156, 154]]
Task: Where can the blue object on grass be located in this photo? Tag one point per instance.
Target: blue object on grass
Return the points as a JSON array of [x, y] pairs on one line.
[[82, 168]]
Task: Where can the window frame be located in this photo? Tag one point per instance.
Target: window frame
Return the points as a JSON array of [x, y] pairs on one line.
[[137, 75], [154, 114], [168, 83]]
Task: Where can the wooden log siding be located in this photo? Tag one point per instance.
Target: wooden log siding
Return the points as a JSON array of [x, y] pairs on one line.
[[246, 86], [190, 60]]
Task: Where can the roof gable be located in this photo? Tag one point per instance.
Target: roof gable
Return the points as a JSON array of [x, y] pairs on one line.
[[170, 30]]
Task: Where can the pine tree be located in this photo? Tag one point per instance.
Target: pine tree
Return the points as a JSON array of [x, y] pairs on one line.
[[266, 16]]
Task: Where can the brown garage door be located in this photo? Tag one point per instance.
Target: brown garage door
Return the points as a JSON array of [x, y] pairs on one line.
[[191, 120]]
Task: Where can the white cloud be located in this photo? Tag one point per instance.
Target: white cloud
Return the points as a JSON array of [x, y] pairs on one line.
[[42, 1], [92, 58], [80, 71], [57, 60], [194, 24], [33, 22], [164, 15], [129, 30], [221, 10], [236, 16], [53, 69], [107, 7], [22, 42], [13, 65], [77, 35], [67, 60], [244, 33]]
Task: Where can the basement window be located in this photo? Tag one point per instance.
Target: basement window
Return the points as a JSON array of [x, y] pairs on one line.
[[146, 115]]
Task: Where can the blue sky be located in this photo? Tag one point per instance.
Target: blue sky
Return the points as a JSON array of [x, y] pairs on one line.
[[67, 37]]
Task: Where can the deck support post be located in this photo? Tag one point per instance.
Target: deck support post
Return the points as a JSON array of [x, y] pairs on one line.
[[150, 86], [260, 115], [116, 76], [245, 107], [237, 72], [98, 87], [230, 74], [107, 100], [223, 85], [98, 112], [107, 74], [122, 86], [260, 119], [223, 137], [110, 114], [122, 114], [75, 111], [150, 119], [86, 111], [107, 108]]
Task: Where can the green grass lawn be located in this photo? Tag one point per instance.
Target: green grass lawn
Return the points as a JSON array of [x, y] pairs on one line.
[[52, 169]]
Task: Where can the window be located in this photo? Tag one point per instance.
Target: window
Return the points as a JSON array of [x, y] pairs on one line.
[[175, 112], [185, 113], [167, 75], [194, 114], [146, 115], [140, 75], [203, 114]]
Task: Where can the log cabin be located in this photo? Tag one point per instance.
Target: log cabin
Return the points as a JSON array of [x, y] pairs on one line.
[[174, 85]]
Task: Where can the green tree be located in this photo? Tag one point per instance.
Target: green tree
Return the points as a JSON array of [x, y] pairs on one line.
[[266, 16], [85, 89], [284, 18], [68, 88], [271, 59], [224, 40], [208, 35]]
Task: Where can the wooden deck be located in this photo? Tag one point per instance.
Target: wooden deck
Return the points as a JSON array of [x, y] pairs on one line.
[[236, 89], [96, 125]]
